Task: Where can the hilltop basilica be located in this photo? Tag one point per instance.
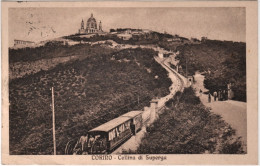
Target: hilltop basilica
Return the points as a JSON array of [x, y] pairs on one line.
[[91, 26]]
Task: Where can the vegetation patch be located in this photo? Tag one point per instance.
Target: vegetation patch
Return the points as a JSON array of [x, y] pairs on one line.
[[55, 49], [187, 127], [223, 62], [88, 92], [26, 61], [156, 38]]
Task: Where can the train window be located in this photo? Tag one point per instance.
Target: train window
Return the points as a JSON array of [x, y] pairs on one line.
[[127, 124], [112, 134], [117, 132]]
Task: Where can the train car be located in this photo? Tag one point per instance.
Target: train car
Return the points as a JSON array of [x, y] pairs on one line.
[[136, 120], [110, 135]]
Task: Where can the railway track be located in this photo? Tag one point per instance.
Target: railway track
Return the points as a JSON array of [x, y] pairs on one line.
[[103, 132], [180, 80]]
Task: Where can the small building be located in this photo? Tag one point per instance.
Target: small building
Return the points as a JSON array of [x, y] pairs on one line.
[[128, 31], [195, 40], [203, 39], [23, 43], [136, 32], [124, 36], [146, 31], [174, 40], [160, 55], [113, 33]]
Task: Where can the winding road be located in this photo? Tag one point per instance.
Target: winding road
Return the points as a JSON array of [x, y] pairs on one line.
[[233, 112]]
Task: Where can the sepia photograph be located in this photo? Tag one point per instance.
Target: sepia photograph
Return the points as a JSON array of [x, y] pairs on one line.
[[125, 81]]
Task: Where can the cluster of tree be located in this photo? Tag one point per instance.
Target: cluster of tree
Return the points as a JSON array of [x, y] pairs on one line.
[[88, 93], [136, 39], [188, 127], [223, 62], [124, 29], [53, 50], [54, 44]]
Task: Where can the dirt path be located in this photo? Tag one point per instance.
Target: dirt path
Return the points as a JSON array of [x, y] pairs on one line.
[[233, 112]]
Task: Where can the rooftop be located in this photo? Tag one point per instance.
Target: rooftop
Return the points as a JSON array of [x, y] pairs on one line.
[[111, 124], [132, 114], [117, 121]]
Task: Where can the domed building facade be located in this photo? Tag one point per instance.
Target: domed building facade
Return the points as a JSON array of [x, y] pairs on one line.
[[91, 26]]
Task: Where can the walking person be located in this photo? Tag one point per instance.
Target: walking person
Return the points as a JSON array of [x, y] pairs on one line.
[[215, 95], [209, 97], [83, 141], [224, 95], [91, 143], [219, 95], [200, 92]]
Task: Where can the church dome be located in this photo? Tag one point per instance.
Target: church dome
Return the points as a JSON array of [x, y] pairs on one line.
[[92, 23], [92, 19]]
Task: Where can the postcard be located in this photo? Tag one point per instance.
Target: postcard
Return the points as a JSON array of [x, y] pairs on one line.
[[129, 83]]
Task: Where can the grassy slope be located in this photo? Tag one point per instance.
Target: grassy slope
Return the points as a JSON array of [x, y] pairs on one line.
[[53, 50], [187, 127], [87, 93], [28, 61]]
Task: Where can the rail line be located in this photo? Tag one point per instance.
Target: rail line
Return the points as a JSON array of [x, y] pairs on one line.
[[181, 80], [106, 134], [181, 85]]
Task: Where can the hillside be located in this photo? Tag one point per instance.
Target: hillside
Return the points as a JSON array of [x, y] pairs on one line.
[[88, 92], [26, 61], [223, 61], [188, 127]]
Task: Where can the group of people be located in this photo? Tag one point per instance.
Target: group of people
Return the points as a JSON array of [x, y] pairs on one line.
[[89, 144], [219, 95]]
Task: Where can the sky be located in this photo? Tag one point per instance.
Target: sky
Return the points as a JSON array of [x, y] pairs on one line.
[[221, 23]]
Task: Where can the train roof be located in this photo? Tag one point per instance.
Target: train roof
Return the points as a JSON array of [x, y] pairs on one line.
[[132, 113], [111, 124], [116, 122]]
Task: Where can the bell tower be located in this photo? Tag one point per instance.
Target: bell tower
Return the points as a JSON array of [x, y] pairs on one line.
[[82, 24], [82, 29], [100, 27]]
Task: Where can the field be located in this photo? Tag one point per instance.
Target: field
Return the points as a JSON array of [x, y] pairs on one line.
[[188, 127], [88, 92]]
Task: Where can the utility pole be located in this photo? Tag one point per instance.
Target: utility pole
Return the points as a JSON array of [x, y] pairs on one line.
[[53, 121], [186, 67]]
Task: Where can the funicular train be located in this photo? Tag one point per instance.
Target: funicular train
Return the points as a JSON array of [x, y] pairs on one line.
[[108, 136]]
